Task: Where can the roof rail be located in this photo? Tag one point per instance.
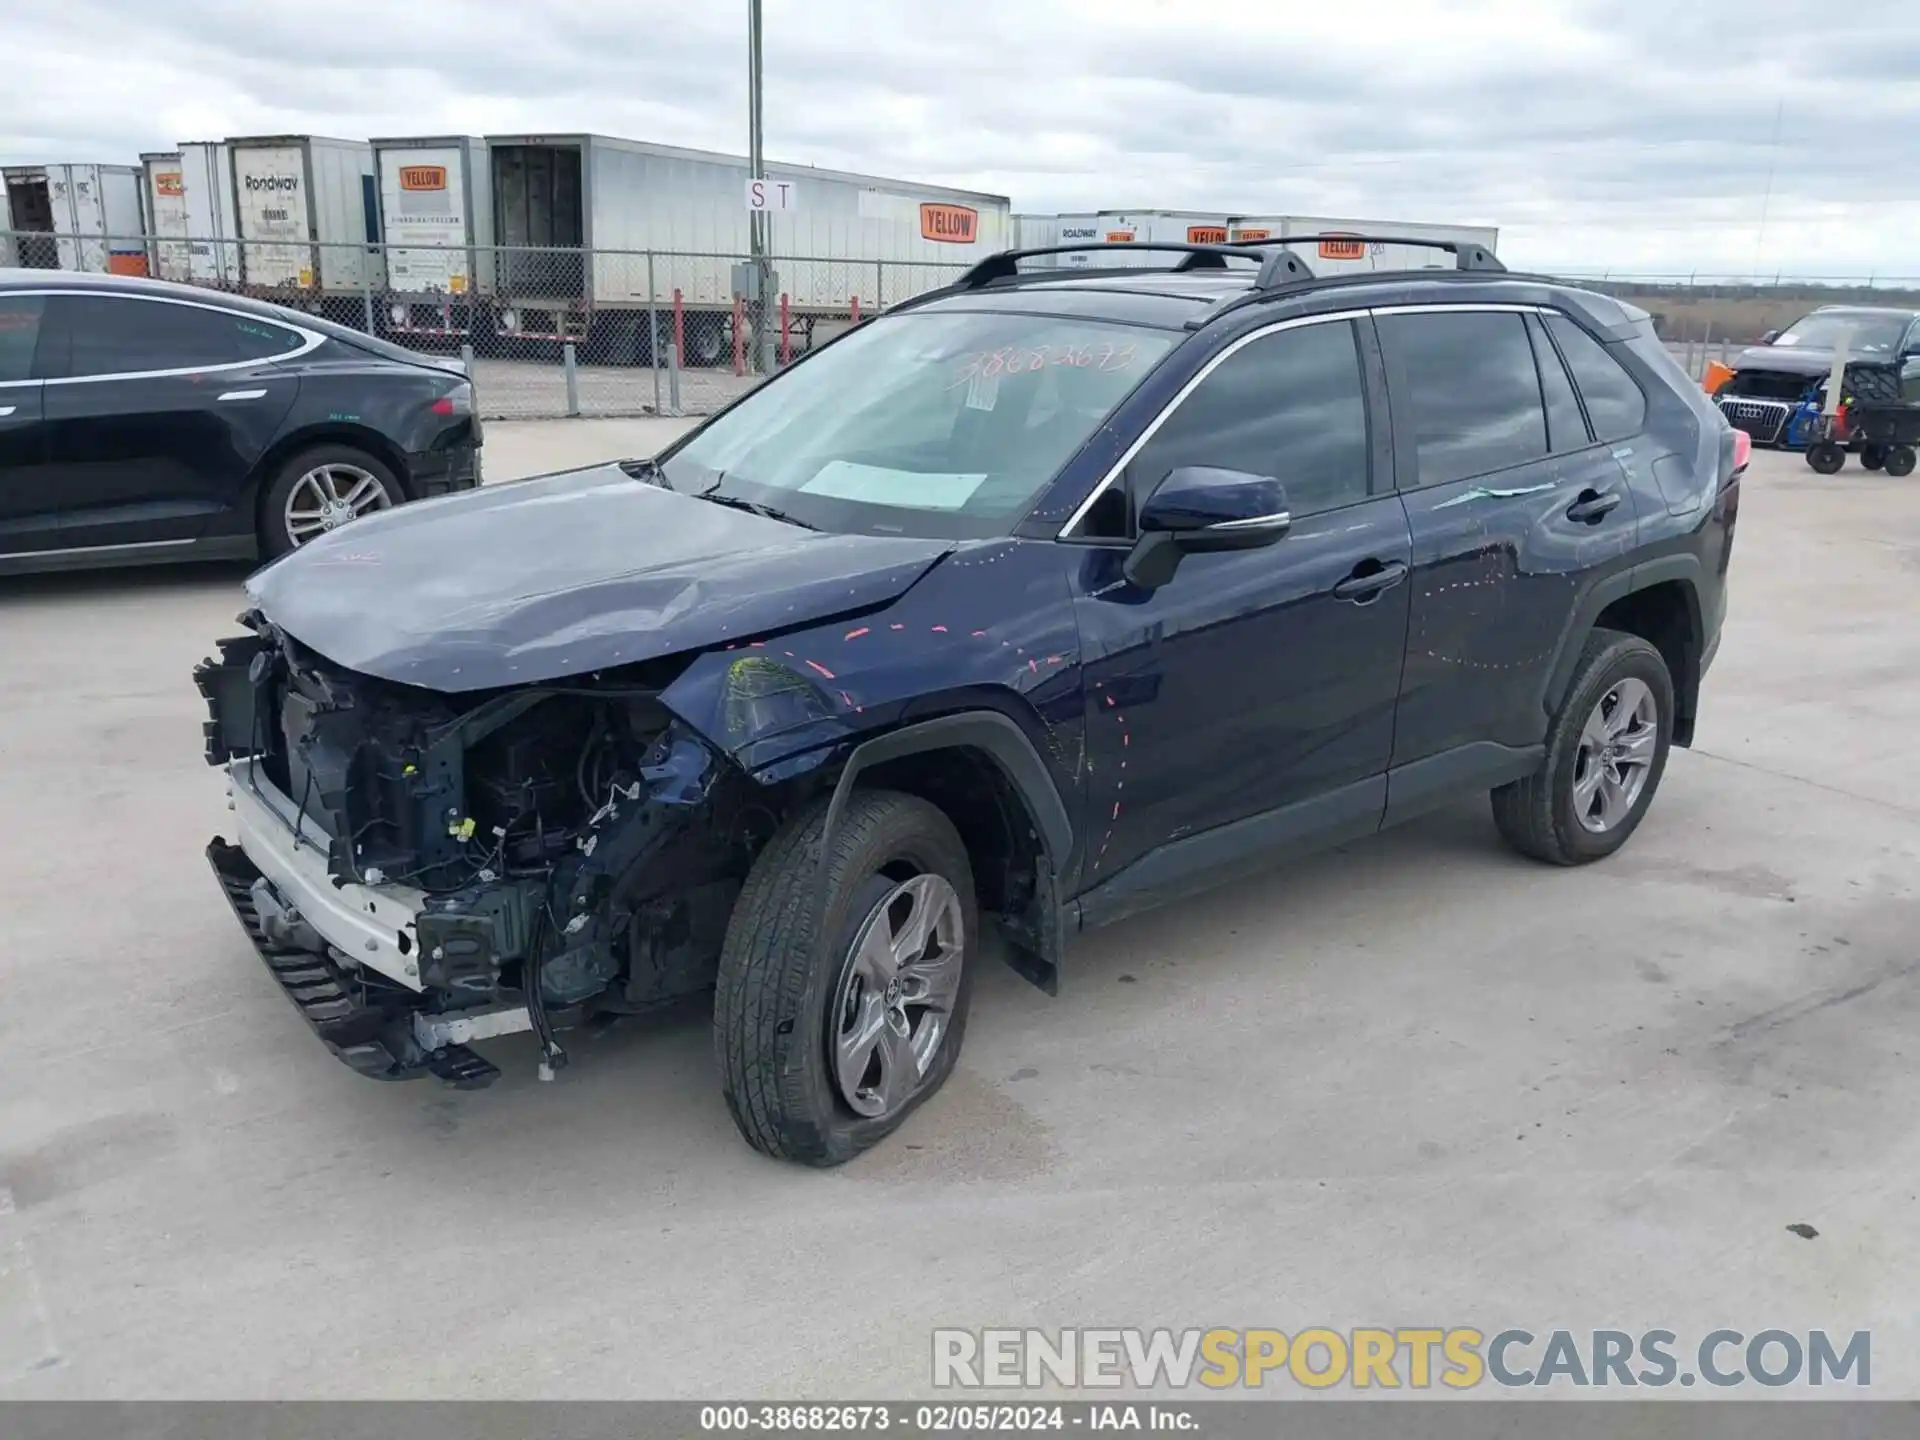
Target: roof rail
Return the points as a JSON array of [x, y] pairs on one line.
[[1467, 255], [1006, 264]]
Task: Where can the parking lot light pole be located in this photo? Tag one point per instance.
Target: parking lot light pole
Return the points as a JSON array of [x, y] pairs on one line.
[[758, 225]]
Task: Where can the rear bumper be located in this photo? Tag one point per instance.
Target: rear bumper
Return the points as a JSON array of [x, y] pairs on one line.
[[444, 472]]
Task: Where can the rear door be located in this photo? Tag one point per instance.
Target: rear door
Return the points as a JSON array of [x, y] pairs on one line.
[[156, 413], [22, 436], [1515, 511]]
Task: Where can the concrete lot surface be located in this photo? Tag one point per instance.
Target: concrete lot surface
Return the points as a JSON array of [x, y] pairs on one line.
[[1417, 1082]]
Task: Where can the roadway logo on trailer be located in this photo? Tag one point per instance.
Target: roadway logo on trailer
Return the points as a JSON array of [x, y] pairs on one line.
[[272, 182], [949, 224], [423, 177]]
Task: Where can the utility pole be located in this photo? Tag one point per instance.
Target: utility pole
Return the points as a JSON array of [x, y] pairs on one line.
[[759, 225], [756, 161]]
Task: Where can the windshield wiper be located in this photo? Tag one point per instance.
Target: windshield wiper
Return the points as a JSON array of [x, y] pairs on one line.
[[754, 507]]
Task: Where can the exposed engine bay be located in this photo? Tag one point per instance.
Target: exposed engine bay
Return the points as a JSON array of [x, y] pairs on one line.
[[563, 848]]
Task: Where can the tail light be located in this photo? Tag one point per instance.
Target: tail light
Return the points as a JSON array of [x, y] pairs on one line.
[[1742, 451], [457, 401]]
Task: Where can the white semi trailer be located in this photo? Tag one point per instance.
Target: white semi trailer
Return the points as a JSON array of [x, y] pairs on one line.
[[308, 211], [436, 226], [604, 239], [75, 217], [164, 191], [1199, 227], [1342, 257], [213, 223]]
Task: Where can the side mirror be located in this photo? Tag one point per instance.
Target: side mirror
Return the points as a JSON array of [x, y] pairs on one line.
[[1198, 509], [1767, 337]]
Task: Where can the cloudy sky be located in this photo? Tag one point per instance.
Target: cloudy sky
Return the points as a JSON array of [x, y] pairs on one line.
[[1650, 136]]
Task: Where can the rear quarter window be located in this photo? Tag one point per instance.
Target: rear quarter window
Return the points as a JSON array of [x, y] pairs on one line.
[[1615, 403], [112, 335]]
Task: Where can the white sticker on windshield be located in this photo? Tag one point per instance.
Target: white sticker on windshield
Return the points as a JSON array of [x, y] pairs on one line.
[[876, 485], [982, 390]]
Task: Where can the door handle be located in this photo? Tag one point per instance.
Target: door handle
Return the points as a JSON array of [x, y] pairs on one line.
[[244, 395], [6, 410], [1369, 579], [1593, 506]]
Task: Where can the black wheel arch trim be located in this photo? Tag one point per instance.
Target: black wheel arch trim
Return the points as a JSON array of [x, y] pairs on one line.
[[1684, 568], [1007, 745]]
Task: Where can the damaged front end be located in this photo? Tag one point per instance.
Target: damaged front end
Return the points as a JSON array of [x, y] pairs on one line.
[[420, 871]]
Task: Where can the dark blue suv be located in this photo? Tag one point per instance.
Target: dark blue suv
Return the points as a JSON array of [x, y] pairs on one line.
[[1042, 599]]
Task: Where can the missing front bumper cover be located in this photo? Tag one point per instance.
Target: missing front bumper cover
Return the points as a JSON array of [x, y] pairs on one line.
[[368, 1031]]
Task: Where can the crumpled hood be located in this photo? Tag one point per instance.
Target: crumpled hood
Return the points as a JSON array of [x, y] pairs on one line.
[[565, 574], [1784, 360]]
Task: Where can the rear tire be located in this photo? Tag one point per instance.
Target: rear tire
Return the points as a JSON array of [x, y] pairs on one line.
[[1872, 457], [1556, 815], [331, 483], [1900, 461], [793, 999]]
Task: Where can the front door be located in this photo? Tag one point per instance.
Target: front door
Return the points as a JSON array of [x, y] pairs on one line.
[[1515, 512], [156, 414], [1260, 684]]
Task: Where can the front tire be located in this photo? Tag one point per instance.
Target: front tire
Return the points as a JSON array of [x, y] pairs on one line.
[[319, 490], [844, 982], [1606, 752]]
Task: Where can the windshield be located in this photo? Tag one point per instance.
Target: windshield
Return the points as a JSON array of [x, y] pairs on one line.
[[1872, 334], [937, 424]]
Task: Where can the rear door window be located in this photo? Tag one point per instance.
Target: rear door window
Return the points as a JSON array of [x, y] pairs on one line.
[[19, 335], [109, 335], [1473, 391]]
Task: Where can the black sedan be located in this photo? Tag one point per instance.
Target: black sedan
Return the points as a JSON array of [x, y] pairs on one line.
[[144, 422]]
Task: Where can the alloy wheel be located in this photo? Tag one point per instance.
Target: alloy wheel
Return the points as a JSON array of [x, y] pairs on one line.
[[896, 994], [1617, 748], [328, 496]]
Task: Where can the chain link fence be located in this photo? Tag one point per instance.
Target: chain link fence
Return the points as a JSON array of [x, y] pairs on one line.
[[552, 332], [545, 332]]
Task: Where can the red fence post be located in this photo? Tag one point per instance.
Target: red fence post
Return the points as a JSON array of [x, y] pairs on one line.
[[786, 331], [739, 335], [856, 307], [679, 328]]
